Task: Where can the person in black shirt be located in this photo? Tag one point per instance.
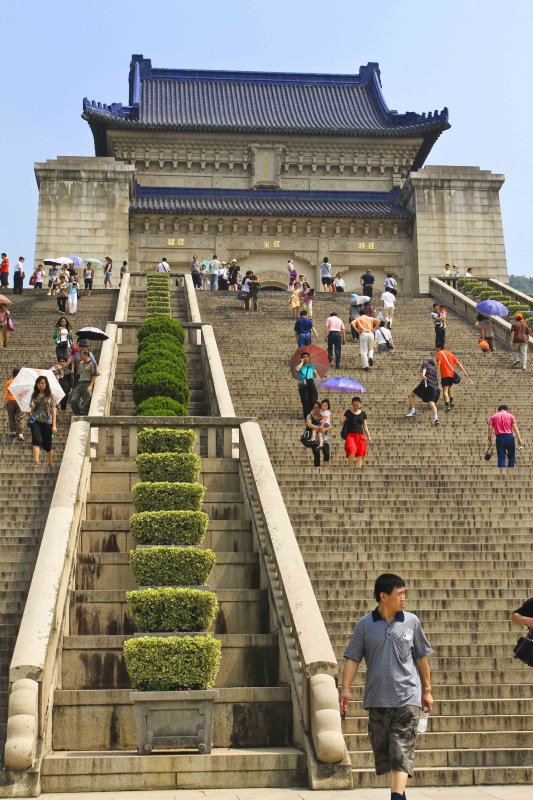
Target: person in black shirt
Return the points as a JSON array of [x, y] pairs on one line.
[[356, 430], [367, 282], [524, 614]]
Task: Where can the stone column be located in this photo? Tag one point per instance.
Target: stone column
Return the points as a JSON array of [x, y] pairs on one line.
[[458, 221], [84, 210]]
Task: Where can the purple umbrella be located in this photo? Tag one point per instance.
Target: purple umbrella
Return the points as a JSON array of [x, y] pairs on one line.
[[344, 385], [493, 308]]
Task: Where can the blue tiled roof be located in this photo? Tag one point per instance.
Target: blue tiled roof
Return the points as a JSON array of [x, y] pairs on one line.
[[258, 102], [268, 203]]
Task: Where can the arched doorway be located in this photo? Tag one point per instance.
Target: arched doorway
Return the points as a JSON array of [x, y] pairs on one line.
[[271, 267]]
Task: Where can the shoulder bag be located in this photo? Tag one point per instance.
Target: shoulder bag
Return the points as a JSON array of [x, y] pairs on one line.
[[10, 323], [523, 650]]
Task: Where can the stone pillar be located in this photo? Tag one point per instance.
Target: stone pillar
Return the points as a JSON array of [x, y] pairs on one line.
[[84, 209], [458, 221]]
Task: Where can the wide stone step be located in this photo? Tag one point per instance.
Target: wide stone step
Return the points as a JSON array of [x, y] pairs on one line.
[[96, 662], [109, 570], [222, 769], [479, 740], [106, 536], [465, 726], [107, 612]]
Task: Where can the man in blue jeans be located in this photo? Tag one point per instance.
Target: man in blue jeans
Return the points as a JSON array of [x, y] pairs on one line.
[[505, 428], [303, 330]]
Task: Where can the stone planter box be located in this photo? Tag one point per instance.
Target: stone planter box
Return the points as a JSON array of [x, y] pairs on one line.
[[174, 720]]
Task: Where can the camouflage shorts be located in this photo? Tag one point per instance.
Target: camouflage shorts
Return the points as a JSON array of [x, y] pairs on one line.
[[392, 733]]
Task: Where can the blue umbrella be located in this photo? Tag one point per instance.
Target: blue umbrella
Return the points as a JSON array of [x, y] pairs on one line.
[[76, 260], [493, 308], [344, 385]]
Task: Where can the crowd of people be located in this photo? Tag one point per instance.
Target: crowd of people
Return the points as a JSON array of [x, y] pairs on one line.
[[64, 281]]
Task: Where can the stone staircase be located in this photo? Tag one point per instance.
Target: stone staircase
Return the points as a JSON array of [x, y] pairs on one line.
[[426, 505], [25, 494], [94, 739]]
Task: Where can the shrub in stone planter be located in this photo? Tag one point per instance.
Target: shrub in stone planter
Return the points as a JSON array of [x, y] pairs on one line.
[[171, 566], [165, 440], [161, 326], [172, 663], [170, 609], [167, 496], [160, 406], [164, 341], [169, 527], [163, 360], [178, 467], [150, 381]]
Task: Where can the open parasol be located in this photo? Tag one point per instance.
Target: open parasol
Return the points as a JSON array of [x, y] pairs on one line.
[[344, 385], [318, 359], [6, 300], [24, 384]]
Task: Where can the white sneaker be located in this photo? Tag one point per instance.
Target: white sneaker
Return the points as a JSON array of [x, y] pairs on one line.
[[411, 413], [49, 294]]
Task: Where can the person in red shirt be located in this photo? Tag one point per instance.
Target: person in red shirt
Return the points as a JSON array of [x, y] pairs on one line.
[[446, 363], [4, 271], [504, 426]]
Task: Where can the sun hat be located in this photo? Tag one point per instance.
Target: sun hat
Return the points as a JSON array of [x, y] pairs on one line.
[[518, 315]]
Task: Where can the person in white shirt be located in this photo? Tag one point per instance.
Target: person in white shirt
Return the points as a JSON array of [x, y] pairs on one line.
[[212, 270], [339, 283], [163, 266], [389, 304], [390, 283], [335, 337], [468, 273], [383, 340]]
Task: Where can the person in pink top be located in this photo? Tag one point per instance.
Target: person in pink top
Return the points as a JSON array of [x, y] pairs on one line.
[[335, 337], [505, 428]]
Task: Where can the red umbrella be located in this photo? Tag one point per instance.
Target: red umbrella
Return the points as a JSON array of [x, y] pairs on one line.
[[319, 359]]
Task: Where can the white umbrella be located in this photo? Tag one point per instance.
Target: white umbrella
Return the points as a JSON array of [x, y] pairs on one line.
[[24, 384], [51, 262], [94, 261], [63, 260], [359, 300]]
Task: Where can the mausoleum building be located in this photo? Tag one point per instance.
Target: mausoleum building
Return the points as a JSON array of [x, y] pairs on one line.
[[263, 167]]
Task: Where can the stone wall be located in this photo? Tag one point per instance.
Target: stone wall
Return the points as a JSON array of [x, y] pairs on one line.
[[458, 221], [83, 208]]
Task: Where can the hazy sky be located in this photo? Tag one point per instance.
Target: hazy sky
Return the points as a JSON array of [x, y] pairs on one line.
[[473, 56]]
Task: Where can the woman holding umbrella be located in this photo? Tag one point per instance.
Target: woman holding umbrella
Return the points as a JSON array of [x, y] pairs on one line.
[[43, 420], [306, 383]]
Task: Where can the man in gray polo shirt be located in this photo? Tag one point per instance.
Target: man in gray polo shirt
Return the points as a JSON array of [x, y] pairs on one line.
[[396, 650]]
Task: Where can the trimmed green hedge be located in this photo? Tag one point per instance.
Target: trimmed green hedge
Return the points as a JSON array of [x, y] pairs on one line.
[[163, 565], [166, 496], [162, 359], [151, 381], [169, 527], [172, 663], [165, 440], [164, 341], [161, 326], [160, 406], [170, 609], [178, 467]]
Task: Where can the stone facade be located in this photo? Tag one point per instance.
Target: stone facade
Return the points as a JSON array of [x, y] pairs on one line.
[[458, 221], [264, 167], [84, 208]]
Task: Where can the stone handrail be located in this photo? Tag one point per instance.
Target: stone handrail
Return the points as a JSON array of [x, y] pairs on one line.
[[466, 307], [511, 291], [215, 434], [301, 623], [32, 673], [299, 613]]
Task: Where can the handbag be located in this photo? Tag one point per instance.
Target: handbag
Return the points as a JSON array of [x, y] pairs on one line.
[[488, 454], [306, 438], [344, 429], [10, 324], [32, 280], [523, 649]]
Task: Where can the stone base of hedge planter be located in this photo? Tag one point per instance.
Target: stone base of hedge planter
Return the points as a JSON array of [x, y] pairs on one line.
[[174, 720], [159, 634]]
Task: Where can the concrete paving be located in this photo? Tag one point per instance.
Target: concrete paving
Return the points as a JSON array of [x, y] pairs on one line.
[[446, 793]]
